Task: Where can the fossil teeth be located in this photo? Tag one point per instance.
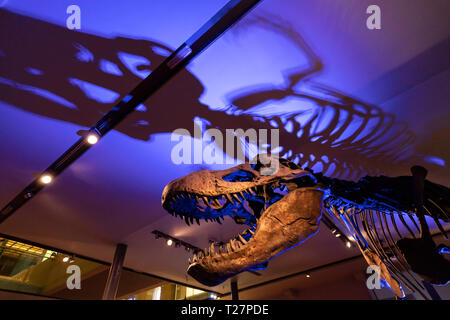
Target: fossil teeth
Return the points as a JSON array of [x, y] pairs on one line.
[[229, 248], [242, 239], [242, 195], [197, 220], [233, 245], [194, 259], [211, 249], [229, 198], [189, 261], [205, 200], [197, 198], [251, 191], [251, 231], [236, 197], [216, 202], [186, 220]]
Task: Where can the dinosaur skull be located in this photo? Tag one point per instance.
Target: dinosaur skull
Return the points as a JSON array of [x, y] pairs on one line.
[[281, 209]]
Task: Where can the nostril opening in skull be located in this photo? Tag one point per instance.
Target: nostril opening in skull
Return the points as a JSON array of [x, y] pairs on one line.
[[239, 176]]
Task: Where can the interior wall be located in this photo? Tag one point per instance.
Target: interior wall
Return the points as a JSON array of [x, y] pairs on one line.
[[345, 281]]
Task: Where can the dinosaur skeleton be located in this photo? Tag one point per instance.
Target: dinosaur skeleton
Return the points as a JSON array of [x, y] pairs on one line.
[[284, 209]]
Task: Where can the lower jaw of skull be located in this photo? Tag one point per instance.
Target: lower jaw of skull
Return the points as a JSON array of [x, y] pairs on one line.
[[212, 271]]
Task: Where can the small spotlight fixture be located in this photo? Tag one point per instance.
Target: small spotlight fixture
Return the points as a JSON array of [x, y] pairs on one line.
[[46, 178], [337, 235], [92, 138], [65, 259], [174, 242], [308, 275], [348, 244]]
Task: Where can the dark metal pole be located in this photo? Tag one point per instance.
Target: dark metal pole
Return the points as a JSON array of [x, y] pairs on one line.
[[112, 283], [234, 289], [431, 291], [208, 33], [419, 173]]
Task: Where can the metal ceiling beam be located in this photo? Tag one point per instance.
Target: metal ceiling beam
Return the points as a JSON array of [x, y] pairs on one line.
[[208, 33]]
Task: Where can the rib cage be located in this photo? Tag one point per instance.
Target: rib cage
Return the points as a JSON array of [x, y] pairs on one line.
[[378, 231]]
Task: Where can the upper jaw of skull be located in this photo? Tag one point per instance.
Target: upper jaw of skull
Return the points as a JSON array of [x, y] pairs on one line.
[[208, 183]]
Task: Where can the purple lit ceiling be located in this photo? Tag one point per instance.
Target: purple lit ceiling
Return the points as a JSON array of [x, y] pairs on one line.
[[348, 101]]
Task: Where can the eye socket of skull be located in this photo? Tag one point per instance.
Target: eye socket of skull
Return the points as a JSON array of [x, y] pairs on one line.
[[239, 176], [264, 161], [267, 164]]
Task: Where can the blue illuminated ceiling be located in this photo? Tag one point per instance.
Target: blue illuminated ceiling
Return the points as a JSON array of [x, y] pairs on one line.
[[348, 101]]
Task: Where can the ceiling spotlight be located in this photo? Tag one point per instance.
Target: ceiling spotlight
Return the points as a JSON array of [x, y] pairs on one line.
[[65, 259], [92, 138], [169, 242], [348, 244], [46, 178], [338, 235], [308, 275]]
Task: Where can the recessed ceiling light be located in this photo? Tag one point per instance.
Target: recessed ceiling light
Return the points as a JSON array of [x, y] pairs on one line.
[[65, 259], [92, 138], [169, 242], [46, 179]]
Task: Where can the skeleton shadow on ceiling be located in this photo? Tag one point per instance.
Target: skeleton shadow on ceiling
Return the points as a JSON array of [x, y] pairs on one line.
[[76, 77]]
